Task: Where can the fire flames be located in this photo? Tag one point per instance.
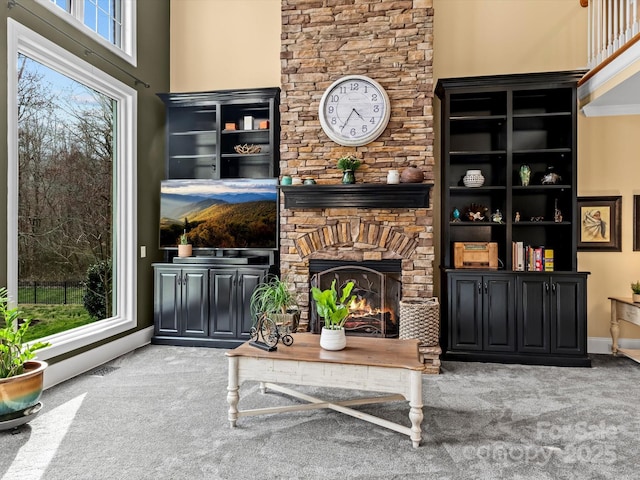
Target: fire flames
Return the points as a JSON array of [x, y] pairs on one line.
[[359, 308]]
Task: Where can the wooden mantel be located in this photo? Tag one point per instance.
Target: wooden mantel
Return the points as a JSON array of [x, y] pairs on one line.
[[359, 195]]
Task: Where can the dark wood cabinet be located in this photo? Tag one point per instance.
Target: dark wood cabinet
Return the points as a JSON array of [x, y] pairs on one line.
[[492, 128], [551, 314], [203, 305], [230, 296], [482, 313]]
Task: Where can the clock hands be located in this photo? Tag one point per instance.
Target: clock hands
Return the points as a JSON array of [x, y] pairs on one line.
[[349, 118]]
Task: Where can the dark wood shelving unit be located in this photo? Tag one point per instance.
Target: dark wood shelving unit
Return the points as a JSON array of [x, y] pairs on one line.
[[495, 124]]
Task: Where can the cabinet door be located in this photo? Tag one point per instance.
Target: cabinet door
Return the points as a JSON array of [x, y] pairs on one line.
[[222, 291], [568, 317], [498, 313], [248, 280], [533, 314], [465, 312], [167, 298], [195, 305]]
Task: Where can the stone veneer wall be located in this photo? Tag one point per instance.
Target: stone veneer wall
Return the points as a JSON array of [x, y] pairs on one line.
[[390, 41]]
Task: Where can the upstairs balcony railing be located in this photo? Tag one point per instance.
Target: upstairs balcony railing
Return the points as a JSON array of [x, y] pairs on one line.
[[613, 26]]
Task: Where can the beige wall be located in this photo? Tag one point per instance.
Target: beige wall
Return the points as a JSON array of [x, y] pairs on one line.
[[224, 44], [471, 37]]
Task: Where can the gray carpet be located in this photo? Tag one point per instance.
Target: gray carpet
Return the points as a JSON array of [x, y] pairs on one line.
[[160, 412]]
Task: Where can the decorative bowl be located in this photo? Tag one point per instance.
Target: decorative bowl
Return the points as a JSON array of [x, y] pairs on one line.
[[473, 178]]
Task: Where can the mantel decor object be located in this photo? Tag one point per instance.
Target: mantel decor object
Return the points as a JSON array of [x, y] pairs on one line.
[[393, 177], [412, 175]]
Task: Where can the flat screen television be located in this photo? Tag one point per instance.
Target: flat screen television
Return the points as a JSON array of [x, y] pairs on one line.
[[230, 214]]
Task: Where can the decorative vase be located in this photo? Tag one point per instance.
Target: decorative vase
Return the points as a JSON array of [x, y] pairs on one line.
[[348, 177], [525, 175], [333, 339], [286, 180], [636, 297], [185, 250], [393, 177], [412, 175], [473, 178]]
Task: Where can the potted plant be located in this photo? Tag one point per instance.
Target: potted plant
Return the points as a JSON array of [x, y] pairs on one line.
[[21, 376], [348, 164], [334, 310], [635, 288], [185, 249], [275, 299]]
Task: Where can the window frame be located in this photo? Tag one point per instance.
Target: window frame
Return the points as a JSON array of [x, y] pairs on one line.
[[21, 39], [75, 18]]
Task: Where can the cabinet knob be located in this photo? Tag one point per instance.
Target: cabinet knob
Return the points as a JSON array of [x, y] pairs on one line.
[[546, 286], [553, 287]]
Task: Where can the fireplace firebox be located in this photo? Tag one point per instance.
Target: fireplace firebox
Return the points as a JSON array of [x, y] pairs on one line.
[[375, 310]]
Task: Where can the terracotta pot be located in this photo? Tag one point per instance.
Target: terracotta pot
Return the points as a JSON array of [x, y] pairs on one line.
[[333, 339], [22, 391], [411, 175], [185, 250]]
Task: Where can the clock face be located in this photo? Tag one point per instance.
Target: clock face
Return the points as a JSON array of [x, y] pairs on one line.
[[354, 110]]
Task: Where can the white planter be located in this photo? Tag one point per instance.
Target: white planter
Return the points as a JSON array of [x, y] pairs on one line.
[[333, 339], [635, 297]]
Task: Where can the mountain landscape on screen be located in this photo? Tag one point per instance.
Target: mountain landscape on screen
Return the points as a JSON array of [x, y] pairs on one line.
[[239, 213]]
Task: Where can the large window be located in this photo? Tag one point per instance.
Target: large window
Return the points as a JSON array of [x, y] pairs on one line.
[[71, 181], [110, 21]]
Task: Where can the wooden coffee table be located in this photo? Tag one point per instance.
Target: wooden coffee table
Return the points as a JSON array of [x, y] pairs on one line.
[[370, 364]]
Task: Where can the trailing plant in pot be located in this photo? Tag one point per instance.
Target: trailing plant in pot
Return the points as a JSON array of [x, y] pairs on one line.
[[635, 288], [348, 164], [21, 376], [274, 299], [334, 310]]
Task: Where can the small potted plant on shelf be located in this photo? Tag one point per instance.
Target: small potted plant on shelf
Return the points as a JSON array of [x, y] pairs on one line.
[[185, 249], [635, 288], [274, 299], [348, 164], [21, 376], [334, 310]]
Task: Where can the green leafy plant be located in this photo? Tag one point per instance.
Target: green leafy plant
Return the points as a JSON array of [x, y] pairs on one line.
[[332, 308], [348, 162], [272, 296], [14, 352], [635, 287], [183, 239]]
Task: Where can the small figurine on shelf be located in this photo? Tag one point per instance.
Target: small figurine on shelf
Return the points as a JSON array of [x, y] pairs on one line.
[[517, 219], [525, 175], [496, 217], [456, 215], [557, 214]]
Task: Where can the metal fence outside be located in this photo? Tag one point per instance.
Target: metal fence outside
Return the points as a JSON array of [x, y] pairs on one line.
[[52, 293]]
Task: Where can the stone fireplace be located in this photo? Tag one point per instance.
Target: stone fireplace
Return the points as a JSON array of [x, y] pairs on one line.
[[391, 42]]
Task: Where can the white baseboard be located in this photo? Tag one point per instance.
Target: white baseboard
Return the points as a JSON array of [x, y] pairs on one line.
[[603, 344], [73, 366]]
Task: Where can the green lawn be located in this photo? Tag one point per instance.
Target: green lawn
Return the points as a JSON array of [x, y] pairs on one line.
[[50, 319]]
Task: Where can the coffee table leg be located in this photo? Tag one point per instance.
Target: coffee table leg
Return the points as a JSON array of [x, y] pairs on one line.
[[415, 412], [233, 397]]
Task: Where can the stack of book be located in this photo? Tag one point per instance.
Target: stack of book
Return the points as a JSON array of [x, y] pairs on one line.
[[529, 258]]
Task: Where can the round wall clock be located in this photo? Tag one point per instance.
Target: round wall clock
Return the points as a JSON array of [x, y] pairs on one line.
[[354, 110]]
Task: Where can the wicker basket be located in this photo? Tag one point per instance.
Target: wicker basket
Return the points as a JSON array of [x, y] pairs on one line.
[[420, 318]]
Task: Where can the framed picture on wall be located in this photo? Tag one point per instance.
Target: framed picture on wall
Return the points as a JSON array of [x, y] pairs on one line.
[[636, 223], [599, 226]]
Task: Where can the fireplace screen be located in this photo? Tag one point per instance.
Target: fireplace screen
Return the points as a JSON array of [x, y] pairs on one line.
[[377, 289]]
